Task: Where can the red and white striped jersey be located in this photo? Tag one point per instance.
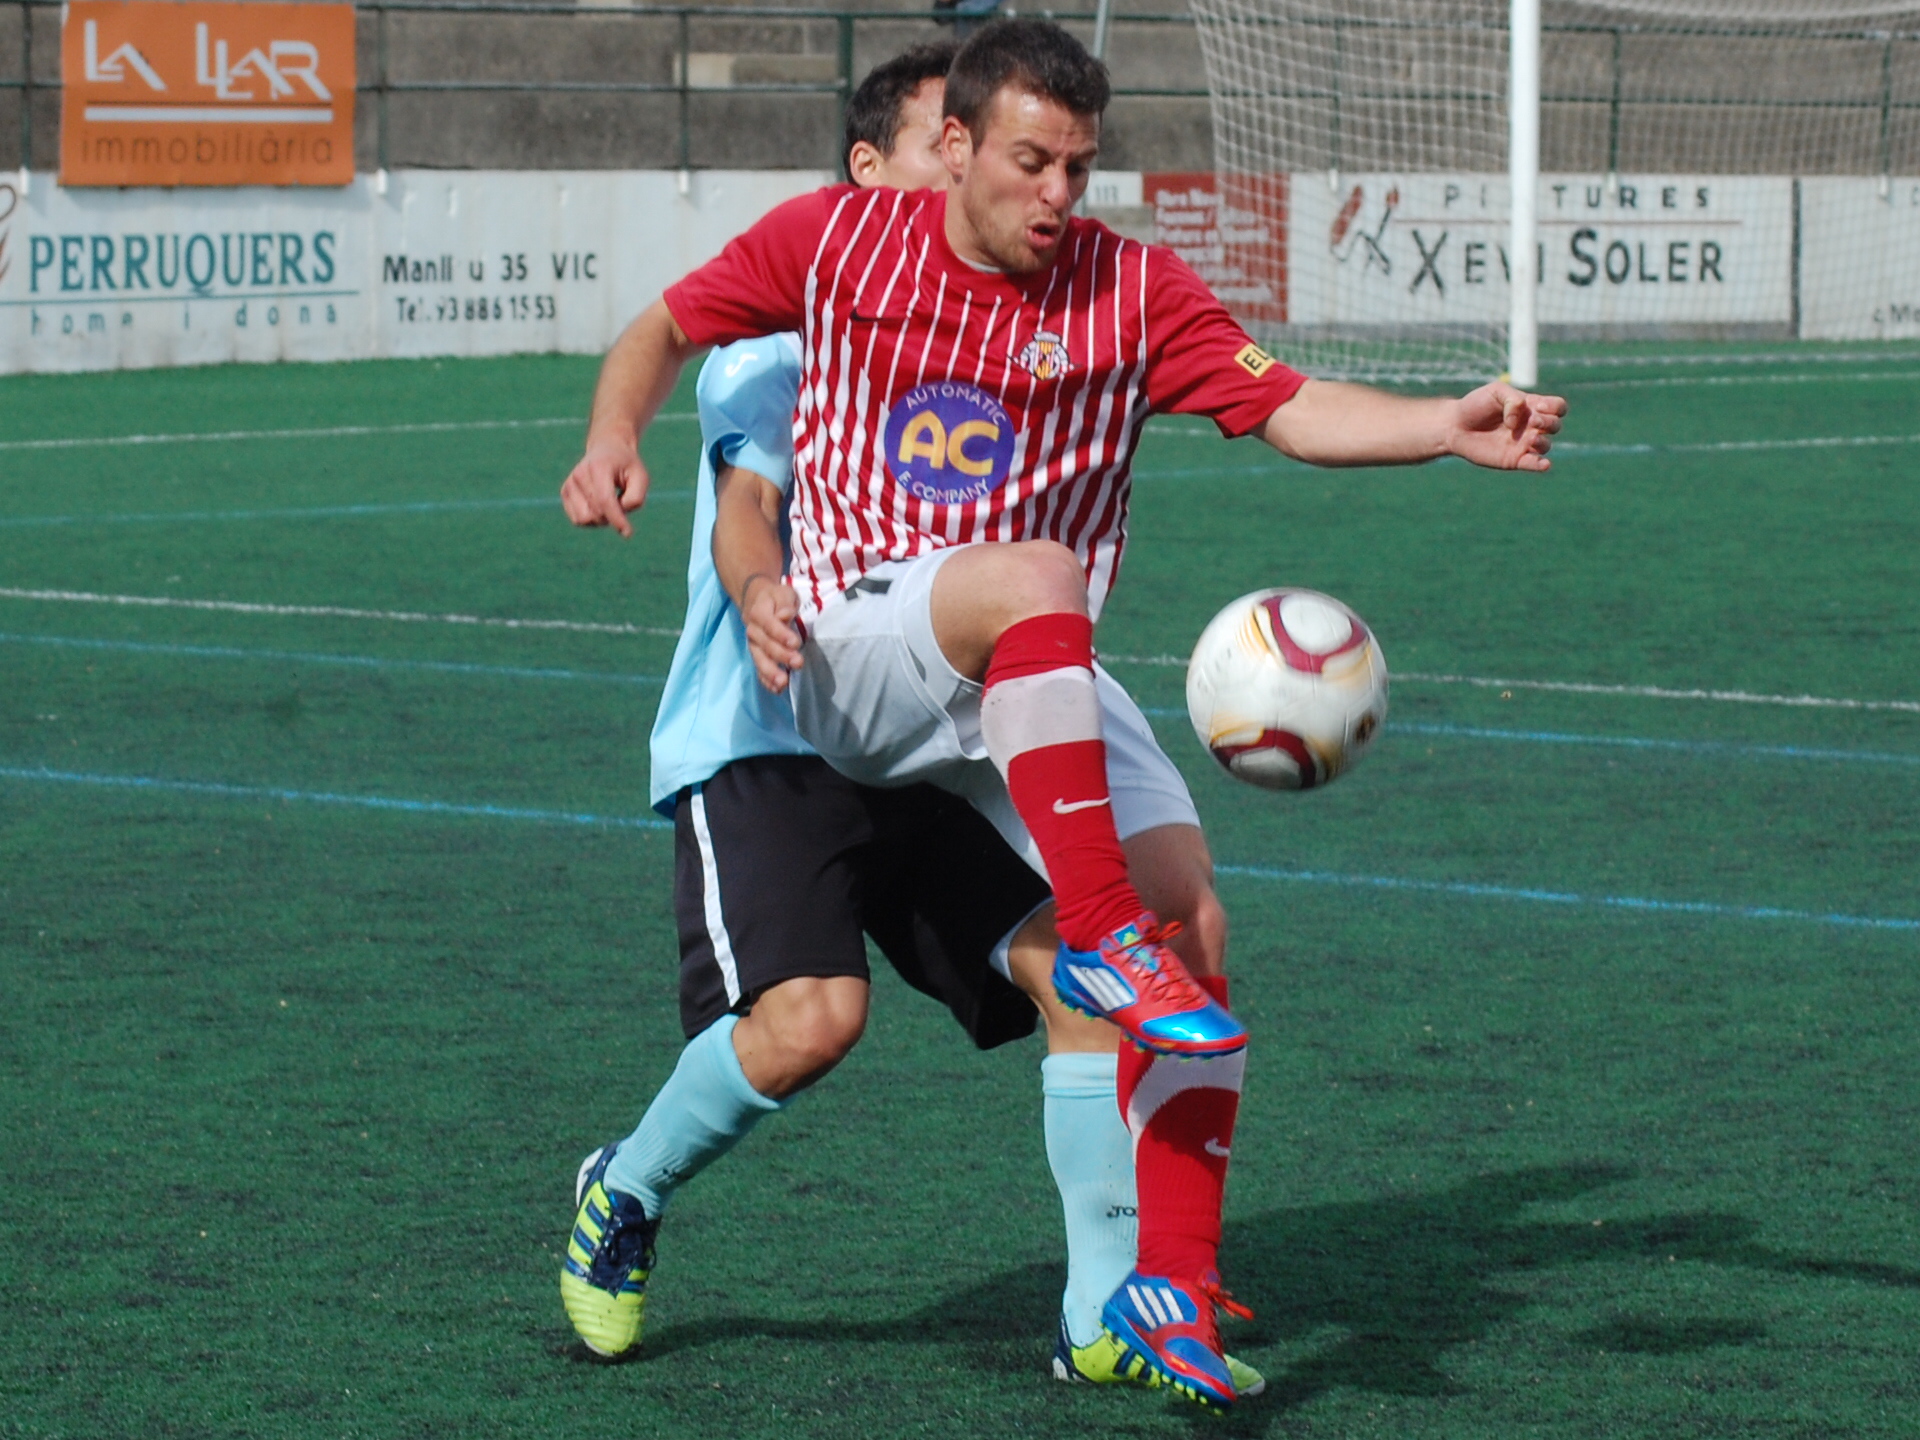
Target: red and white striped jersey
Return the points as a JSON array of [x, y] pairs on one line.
[[941, 405]]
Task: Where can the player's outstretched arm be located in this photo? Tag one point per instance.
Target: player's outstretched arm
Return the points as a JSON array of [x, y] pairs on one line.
[[749, 559], [1329, 423], [635, 380]]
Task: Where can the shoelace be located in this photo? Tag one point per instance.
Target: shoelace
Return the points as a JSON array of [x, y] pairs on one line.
[[1217, 1293], [1159, 978], [624, 1245]]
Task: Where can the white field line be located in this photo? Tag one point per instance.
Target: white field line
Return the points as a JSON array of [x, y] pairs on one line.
[[327, 432], [1757, 357], [1658, 381], [1571, 687], [1705, 447], [1659, 692], [412, 617]]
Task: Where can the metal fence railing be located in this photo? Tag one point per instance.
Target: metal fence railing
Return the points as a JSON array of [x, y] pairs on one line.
[[378, 83], [1148, 61]]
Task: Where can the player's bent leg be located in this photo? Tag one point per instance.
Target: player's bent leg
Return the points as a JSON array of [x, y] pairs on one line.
[[761, 898], [1180, 1117], [1014, 616], [730, 1075], [798, 1030], [622, 1190]]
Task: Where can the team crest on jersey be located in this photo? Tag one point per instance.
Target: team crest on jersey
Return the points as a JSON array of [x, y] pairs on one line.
[[1045, 356], [949, 443]]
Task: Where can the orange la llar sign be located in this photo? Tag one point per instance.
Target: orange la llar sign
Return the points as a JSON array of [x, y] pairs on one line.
[[158, 93]]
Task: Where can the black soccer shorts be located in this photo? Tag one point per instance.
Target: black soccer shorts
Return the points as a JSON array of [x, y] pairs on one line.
[[781, 864]]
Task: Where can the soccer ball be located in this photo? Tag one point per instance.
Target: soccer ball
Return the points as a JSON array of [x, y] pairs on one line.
[[1287, 688]]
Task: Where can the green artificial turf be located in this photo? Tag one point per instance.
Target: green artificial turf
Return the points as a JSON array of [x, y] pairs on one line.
[[296, 1087]]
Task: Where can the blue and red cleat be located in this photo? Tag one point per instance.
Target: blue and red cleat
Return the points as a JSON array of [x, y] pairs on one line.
[[1135, 981], [1170, 1326]]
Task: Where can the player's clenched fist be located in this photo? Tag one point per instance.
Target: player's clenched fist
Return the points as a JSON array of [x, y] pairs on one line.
[[768, 608], [609, 481], [1506, 429]]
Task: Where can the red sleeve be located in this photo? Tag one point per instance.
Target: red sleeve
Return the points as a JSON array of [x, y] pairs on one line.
[[1199, 360], [758, 284]]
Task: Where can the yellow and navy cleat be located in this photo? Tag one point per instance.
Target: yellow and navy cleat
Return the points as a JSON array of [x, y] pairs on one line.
[[603, 1280], [1103, 1362], [1108, 1362]]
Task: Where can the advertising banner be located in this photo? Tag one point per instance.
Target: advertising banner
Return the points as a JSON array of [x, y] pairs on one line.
[[443, 263], [1860, 258], [1646, 250], [1238, 247], [160, 93]]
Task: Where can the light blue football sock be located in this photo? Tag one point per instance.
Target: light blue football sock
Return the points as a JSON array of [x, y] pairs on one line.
[[702, 1112], [1092, 1158]]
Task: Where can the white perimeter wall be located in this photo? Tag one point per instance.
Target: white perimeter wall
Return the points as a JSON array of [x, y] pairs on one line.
[[493, 262], [443, 263]]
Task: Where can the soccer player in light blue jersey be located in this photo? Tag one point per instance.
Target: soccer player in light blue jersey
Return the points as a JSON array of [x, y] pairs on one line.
[[782, 863]]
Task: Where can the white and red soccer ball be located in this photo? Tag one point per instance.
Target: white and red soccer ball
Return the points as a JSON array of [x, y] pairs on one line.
[[1287, 688]]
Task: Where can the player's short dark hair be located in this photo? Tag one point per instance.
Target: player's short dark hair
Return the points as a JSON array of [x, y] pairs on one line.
[[1034, 56], [873, 113]]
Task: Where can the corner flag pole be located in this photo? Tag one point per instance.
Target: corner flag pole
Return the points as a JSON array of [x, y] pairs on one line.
[[1523, 181]]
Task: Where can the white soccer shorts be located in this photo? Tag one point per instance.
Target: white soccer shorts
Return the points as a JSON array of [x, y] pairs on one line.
[[879, 700]]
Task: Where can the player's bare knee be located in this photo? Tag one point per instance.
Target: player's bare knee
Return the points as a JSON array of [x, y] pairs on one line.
[[1052, 580], [821, 1032], [1027, 578]]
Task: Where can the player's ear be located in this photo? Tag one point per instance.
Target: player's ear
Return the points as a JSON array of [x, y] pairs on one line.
[[864, 163], [956, 146]]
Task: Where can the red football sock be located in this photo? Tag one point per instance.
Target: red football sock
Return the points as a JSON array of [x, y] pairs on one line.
[[1181, 1115], [1040, 717]]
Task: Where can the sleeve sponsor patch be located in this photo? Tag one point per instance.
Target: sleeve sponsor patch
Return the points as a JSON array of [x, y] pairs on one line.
[[1255, 361]]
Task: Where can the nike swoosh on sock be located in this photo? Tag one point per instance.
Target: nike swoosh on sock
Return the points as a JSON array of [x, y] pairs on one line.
[[1063, 807]]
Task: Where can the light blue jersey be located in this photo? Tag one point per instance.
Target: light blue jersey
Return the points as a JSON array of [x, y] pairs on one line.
[[714, 709]]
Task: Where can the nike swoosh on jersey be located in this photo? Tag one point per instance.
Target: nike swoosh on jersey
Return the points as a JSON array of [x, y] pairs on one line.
[[1214, 1147], [1063, 807]]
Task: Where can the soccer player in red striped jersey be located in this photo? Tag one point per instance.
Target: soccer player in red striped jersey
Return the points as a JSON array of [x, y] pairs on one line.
[[978, 365]]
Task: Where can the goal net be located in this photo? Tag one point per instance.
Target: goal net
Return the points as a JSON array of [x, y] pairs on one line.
[[1725, 169]]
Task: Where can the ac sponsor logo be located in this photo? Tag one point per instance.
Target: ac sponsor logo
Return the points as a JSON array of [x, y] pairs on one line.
[[949, 443], [206, 94]]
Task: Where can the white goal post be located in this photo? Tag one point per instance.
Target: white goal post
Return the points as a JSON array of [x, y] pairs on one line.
[[1424, 190]]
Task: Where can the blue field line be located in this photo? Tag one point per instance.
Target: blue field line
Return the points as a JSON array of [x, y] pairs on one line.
[[313, 512], [1710, 909], [321, 432], [359, 662], [310, 512], [327, 797], [1564, 897], [1627, 742], [1635, 742]]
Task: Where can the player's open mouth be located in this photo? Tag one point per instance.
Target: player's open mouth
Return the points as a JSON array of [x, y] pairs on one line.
[[1044, 236]]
